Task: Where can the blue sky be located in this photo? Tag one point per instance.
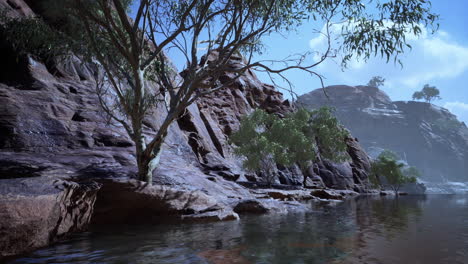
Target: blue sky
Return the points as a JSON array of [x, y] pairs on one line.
[[440, 59]]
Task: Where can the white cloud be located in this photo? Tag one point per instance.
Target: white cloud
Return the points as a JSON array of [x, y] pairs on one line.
[[459, 109], [433, 58]]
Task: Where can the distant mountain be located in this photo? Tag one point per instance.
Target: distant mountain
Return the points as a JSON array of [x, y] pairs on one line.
[[426, 136]]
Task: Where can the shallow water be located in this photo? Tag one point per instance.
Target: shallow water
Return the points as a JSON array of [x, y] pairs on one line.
[[447, 187], [429, 229]]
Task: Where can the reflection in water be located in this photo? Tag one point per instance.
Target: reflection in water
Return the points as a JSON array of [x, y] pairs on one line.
[[222, 256], [410, 229]]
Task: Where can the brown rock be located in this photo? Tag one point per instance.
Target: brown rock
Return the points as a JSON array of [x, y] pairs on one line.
[[224, 256], [350, 175], [327, 194], [133, 202], [250, 207], [35, 212], [224, 215]]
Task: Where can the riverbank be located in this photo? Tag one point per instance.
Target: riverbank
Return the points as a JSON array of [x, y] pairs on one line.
[[63, 166], [39, 211], [359, 230]]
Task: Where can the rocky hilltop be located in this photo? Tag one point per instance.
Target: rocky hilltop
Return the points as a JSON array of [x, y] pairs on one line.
[[62, 166], [427, 136]]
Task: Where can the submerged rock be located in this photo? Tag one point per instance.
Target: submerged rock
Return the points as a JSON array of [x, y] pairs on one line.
[[250, 207], [333, 194]]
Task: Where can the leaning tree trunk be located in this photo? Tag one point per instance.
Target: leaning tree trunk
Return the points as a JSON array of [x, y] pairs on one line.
[[147, 164], [148, 160]]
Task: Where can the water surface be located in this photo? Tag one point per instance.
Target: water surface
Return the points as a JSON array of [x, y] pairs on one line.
[[429, 229]]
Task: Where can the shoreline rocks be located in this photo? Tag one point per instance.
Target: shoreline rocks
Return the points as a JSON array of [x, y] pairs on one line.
[[35, 212], [63, 166]]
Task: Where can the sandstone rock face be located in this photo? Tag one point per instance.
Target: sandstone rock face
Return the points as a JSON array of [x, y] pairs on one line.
[[54, 139], [215, 117], [130, 202], [220, 114], [427, 136], [51, 124], [37, 211], [352, 175]]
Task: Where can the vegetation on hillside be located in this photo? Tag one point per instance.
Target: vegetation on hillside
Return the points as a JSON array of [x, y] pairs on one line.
[[388, 171], [448, 125], [265, 140], [376, 81], [428, 94], [131, 52]]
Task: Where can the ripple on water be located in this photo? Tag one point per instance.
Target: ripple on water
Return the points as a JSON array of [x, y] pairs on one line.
[[411, 229]]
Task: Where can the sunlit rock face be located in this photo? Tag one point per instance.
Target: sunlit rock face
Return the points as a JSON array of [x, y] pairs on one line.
[[427, 136], [52, 129], [51, 124]]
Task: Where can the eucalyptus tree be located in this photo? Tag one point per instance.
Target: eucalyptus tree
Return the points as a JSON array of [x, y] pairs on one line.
[[386, 170], [300, 138], [376, 81], [428, 93], [330, 136], [136, 76], [265, 140]]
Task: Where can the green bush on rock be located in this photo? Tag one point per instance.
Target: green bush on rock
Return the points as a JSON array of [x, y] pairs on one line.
[[299, 138], [387, 171]]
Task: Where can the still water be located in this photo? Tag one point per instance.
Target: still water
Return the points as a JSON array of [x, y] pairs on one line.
[[429, 229]]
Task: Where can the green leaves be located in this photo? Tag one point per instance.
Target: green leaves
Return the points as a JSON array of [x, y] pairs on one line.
[[329, 134], [33, 36], [264, 136], [418, 95], [387, 170], [376, 81], [294, 139], [383, 31], [428, 93]]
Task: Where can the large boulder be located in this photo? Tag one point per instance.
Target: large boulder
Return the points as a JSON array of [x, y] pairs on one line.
[[250, 207], [37, 211], [133, 202], [349, 175]]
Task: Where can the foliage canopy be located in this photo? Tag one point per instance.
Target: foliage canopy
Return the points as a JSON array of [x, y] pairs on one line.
[[298, 138], [386, 170], [428, 93], [376, 81]]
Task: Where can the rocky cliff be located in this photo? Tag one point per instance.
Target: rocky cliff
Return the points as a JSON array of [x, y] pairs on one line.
[[427, 136], [63, 166]]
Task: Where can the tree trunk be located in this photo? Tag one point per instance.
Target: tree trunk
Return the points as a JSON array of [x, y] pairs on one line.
[[308, 170], [305, 173], [148, 161]]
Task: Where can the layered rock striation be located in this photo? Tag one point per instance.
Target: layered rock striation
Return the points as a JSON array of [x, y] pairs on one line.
[[425, 135], [64, 166]]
